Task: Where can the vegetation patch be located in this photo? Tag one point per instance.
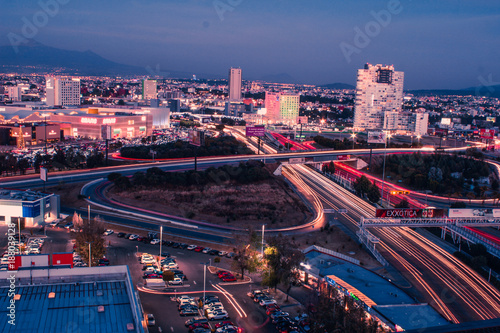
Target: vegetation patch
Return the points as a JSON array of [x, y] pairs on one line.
[[220, 146]]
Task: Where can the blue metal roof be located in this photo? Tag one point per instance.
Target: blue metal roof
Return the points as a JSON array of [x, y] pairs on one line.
[[73, 309]]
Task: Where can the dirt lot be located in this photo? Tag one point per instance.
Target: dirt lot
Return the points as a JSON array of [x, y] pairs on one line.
[[271, 202]]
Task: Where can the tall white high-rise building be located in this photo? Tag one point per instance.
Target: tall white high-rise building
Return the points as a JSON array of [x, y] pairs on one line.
[[149, 89], [235, 85], [62, 91], [379, 91], [289, 108]]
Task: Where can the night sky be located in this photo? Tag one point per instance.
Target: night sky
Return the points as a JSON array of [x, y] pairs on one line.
[[438, 44]]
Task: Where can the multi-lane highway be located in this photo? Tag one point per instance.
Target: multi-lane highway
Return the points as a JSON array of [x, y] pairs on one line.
[[455, 290]]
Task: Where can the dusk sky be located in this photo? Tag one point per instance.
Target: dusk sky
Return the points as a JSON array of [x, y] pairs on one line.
[[438, 44]]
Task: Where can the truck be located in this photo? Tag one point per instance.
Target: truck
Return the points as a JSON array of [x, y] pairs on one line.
[[154, 283]]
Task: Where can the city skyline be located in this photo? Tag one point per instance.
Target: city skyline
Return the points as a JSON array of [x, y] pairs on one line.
[[439, 45]]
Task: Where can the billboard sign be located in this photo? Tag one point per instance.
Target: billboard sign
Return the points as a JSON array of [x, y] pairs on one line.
[[106, 132], [296, 160], [486, 133], [196, 138], [479, 212], [43, 174], [491, 119], [62, 259], [28, 261], [410, 213], [377, 137], [255, 131], [31, 209], [343, 157], [445, 121]]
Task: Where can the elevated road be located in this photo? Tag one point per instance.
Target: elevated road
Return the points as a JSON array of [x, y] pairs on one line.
[[452, 288]]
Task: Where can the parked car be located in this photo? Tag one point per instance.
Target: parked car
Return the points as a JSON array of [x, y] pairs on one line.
[[213, 252], [108, 232], [188, 312], [68, 225], [206, 250], [175, 282], [266, 301], [229, 278], [280, 314], [154, 241], [198, 249], [198, 319], [185, 298], [120, 235], [133, 237], [53, 224], [230, 254], [191, 247], [222, 253], [218, 315], [127, 236]]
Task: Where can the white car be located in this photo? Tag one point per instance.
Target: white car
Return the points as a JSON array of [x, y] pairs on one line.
[[267, 301], [108, 232], [133, 237], [210, 308], [155, 241], [170, 266], [222, 253], [185, 298], [218, 315], [206, 250], [148, 260], [176, 282], [191, 247]]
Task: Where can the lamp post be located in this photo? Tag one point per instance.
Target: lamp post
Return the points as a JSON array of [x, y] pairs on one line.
[[262, 248], [353, 137], [90, 254], [89, 215], [418, 137], [161, 236]]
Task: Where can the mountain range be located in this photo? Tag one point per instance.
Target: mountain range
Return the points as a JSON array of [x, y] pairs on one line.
[[36, 57]]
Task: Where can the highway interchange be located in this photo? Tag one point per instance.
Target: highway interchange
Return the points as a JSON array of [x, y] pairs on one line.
[[454, 290]]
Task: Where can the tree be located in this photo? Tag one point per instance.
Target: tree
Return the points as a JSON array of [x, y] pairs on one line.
[[283, 259], [246, 257], [91, 232], [362, 185], [168, 275], [373, 193]]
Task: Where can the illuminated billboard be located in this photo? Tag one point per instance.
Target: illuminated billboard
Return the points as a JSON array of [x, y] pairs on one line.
[[479, 212], [255, 131], [486, 133], [376, 137], [196, 138], [410, 213], [445, 121]]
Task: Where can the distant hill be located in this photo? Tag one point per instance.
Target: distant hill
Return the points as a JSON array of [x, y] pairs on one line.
[[338, 85], [46, 59], [489, 91]]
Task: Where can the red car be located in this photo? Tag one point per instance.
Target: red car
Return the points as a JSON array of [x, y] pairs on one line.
[[196, 325], [229, 278], [222, 273], [271, 310], [224, 323], [198, 249]]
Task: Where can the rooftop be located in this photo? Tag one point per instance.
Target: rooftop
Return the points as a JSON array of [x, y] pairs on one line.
[[21, 195], [64, 305], [380, 294]]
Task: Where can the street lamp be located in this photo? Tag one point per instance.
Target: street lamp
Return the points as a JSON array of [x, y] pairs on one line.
[[137, 250], [262, 248], [90, 254], [353, 137], [418, 137]]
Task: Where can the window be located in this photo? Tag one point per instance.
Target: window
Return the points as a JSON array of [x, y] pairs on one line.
[[2, 218]]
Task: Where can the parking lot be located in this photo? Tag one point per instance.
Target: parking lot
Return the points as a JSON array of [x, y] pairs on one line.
[[161, 302]]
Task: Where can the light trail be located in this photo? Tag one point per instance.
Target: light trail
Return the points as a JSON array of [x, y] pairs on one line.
[[431, 267]]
